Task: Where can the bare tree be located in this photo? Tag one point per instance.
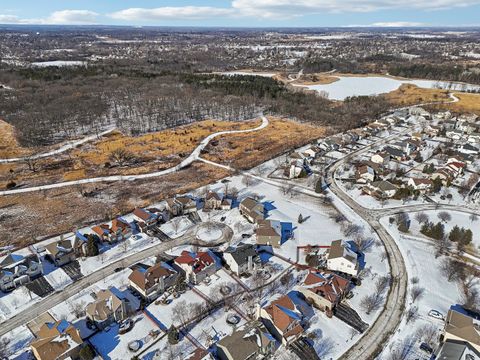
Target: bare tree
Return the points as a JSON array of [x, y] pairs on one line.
[[427, 333], [351, 230], [473, 217], [422, 217], [412, 314], [181, 312], [453, 270], [417, 293], [381, 284], [364, 244], [371, 302], [246, 180], [402, 350], [444, 216]]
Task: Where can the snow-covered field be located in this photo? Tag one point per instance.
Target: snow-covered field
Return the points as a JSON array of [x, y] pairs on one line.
[[438, 293]]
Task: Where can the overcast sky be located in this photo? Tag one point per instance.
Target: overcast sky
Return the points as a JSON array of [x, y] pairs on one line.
[[249, 13]]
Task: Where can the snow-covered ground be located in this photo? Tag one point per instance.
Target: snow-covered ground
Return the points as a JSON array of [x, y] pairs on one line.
[[177, 227], [438, 293], [59, 63]]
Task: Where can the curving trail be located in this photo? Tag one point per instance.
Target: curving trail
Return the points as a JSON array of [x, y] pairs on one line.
[[187, 161], [67, 146]]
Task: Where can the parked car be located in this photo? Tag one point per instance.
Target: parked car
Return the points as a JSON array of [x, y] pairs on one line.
[[245, 236], [425, 347], [436, 314], [349, 295]]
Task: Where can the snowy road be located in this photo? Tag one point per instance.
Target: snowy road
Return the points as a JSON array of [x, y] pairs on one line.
[[187, 161]]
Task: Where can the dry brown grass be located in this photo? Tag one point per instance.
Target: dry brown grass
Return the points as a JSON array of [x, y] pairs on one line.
[[244, 151], [153, 152], [408, 94], [469, 103], [29, 218], [9, 146]]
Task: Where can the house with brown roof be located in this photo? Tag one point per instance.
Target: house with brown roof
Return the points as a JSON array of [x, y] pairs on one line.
[[341, 258], [198, 266], [151, 282], [283, 319], [269, 232], [420, 184], [325, 290], [59, 341], [213, 201], [60, 252], [380, 189], [109, 307], [180, 205], [251, 341], [119, 230], [252, 209], [143, 216], [461, 327], [364, 174]]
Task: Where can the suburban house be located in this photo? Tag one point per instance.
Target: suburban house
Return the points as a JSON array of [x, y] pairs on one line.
[[456, 166], [445, 174], [213, 201], [60, 252], [16, 270], [469, 149], [150, 282], [457, 350], [59, 341], [294, 169], [252, 209], [242, 259], [109, 307], [181, 205], [381, 158], [144, 216], [325, 290], [474, 138], [198, 266], [381, 189], [119, 230], [454, 134], [269, 232], [251, 341], [395, 153], [341, 258], [283, 319], [461, 327], [365, 174], [420, 184]]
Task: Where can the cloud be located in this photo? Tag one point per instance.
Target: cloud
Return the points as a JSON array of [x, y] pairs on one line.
[[392, 24], [72, 17], [289, 8], [171, 13]]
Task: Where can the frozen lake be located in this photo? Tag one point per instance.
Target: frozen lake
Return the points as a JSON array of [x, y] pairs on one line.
[[374, 85], [59, 63]]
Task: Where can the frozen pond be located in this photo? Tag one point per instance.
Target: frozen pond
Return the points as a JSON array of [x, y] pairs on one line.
[[374, 85], [59, 63]]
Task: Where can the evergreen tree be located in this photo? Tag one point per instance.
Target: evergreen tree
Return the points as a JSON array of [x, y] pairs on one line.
[[92, 246], [173, 335]]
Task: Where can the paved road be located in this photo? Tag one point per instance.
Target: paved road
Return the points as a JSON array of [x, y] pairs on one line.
[[54, 299], [187, 161]]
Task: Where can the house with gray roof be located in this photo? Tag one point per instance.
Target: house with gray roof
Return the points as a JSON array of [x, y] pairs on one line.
[[16, 270], [252, 209], [251, 341], [241, 259]]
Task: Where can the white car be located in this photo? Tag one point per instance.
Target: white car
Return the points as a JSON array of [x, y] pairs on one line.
[[436, 314]]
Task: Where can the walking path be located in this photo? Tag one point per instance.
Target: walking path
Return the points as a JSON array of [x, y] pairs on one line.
[[187, 161], [67, 146]]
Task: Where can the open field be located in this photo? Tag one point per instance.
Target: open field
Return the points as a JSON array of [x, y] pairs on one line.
[[150, 152], [247, 150], [409, 94], [26, 219], [9, 146]]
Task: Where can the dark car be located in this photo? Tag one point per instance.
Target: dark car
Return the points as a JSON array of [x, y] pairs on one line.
[[118, 269], [425, 347], [245, 236]]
